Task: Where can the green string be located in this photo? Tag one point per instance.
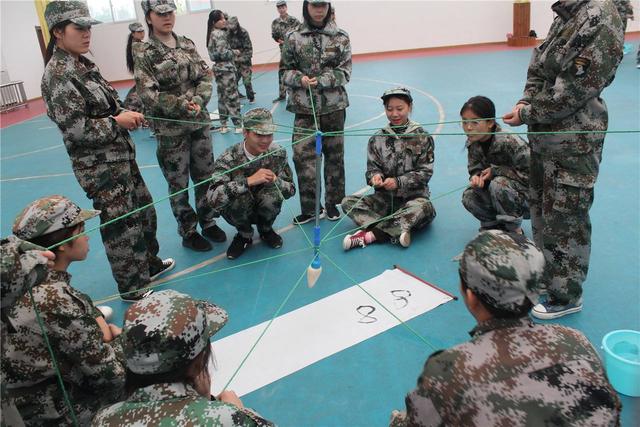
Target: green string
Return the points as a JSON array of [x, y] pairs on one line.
[[403, 323], [293, 216], [346, 214], [313, 110], [568, 132]]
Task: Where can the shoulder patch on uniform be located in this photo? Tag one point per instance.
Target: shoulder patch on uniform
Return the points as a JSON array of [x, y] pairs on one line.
[[343, 32], [580, 66]]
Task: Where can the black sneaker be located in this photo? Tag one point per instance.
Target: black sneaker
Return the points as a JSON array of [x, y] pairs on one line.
[[238, 246], [278, 99], [196, 242], [332, 213], [214, 233], [135, 297], [241, 95], [272, 239], [167, 265], [305, 218]]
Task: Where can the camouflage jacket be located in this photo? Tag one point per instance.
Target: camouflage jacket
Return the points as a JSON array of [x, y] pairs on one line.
[[625, 10], [280, 27], [568, 72], [22, 268], [240, 40], [220, 51], [167, 79], [507, 155], [515, 373], [408, 158], [81, 103], [228, 185], [93, 371], [177, 405], [322, 53]]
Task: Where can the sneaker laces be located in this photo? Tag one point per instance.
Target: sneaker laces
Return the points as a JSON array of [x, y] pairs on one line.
[[357, 240]]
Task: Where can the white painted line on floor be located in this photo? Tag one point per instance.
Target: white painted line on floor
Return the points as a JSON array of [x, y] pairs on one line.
[[54, 175], [15, 156]]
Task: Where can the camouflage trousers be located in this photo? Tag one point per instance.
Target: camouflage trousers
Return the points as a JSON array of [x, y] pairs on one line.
[[132, 101], [181, 157], [117, 188], [561, 194], [228, 100], [243, 70], [412, 214], [260, 206], [304, 158], [282, 89], [504, 203]]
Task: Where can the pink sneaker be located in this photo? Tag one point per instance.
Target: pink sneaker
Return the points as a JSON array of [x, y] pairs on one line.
[[353, 240]]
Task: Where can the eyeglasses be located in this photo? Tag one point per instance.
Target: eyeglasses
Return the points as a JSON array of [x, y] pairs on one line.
[[471, 124]]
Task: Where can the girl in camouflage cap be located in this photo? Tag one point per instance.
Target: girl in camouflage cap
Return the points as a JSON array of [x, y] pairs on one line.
[[136, 35]]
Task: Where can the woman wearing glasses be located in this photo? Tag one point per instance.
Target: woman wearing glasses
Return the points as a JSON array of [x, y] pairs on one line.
[[498, 169]]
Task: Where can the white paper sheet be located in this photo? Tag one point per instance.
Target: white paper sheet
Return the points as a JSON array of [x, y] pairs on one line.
[[304, 336]]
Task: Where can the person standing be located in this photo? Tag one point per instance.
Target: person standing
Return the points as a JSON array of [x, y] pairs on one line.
[[174, 83], [240, 44], [132, 100], [279, 28], [566, 76], [317, 64], [94, 127]]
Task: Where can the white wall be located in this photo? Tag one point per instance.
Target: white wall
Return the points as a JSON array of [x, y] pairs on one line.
[[374, 26]]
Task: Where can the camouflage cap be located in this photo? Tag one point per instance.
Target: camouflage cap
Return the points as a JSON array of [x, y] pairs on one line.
[[397, 91], [134, 27], [74, 11], [504, 268], [49, 214], [158, 6], [167, 330], [260, 121], [232, 22], [318, 1], [281, 3]]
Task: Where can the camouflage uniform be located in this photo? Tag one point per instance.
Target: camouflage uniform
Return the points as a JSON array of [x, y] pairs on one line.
[[409, 159], [239, 40], [503, 199], [513, 372], [82, 103], [566, 75], [162, 333], [225, 72], [625, 10], [325, 54], [167, 79], [279, 28], [230, 194]]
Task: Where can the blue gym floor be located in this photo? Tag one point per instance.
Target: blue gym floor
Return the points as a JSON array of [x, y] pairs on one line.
[[361, 385]]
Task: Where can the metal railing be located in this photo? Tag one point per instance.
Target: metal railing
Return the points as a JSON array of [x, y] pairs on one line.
[[12, 96]]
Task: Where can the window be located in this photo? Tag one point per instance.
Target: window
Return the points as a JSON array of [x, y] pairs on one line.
[[190, 6], [112, 10]]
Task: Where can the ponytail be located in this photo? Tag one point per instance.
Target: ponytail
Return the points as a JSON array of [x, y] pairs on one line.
[[52, 40], [130, 53]]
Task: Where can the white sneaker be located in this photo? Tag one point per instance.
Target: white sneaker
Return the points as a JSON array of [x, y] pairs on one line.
[[168, 264], [107, 312], [238, 129], [224, 129], [405, 239]]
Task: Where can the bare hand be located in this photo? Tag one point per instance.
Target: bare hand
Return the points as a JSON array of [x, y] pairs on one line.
[[229, 396], [107, 336], [486, 175], [309, 82], [262, 176], [280, 41], [376, 181], [115, 330], [50, 256], [476, 181], [129, 120], [193, 107], [390, 184], [513, 118]]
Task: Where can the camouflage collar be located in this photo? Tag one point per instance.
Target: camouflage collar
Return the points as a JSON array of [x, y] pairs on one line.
[[567, 8], [493, 324], [63, 55], [331, 29], [411, 128], [156, 42], [164, 391]]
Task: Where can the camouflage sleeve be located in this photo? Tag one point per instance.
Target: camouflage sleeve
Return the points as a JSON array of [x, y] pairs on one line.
[[474, 161], [247, 46], [156, 102], [374, 160], [275, 34], [535, 76], [519, 169], [219, 50], [285, 179], [223, 187], [22, 268], [78, 336], [341, 74], [588, 68], [202, 78], [67, 109], [292, 76], [423, 167]]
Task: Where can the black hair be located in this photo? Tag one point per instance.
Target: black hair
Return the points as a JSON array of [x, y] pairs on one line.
[[307, 17], [130, 53], [405, 98], [481, 106], [214, 16], [498, 313], [180, 374], [51, 239], [52, 39], [148, 21]]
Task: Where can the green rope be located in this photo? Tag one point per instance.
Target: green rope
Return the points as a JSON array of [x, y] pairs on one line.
[[313, 110], [346, 214], [208, 123], [293, 216], [403, 323], [568, 132], [264, 331]]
